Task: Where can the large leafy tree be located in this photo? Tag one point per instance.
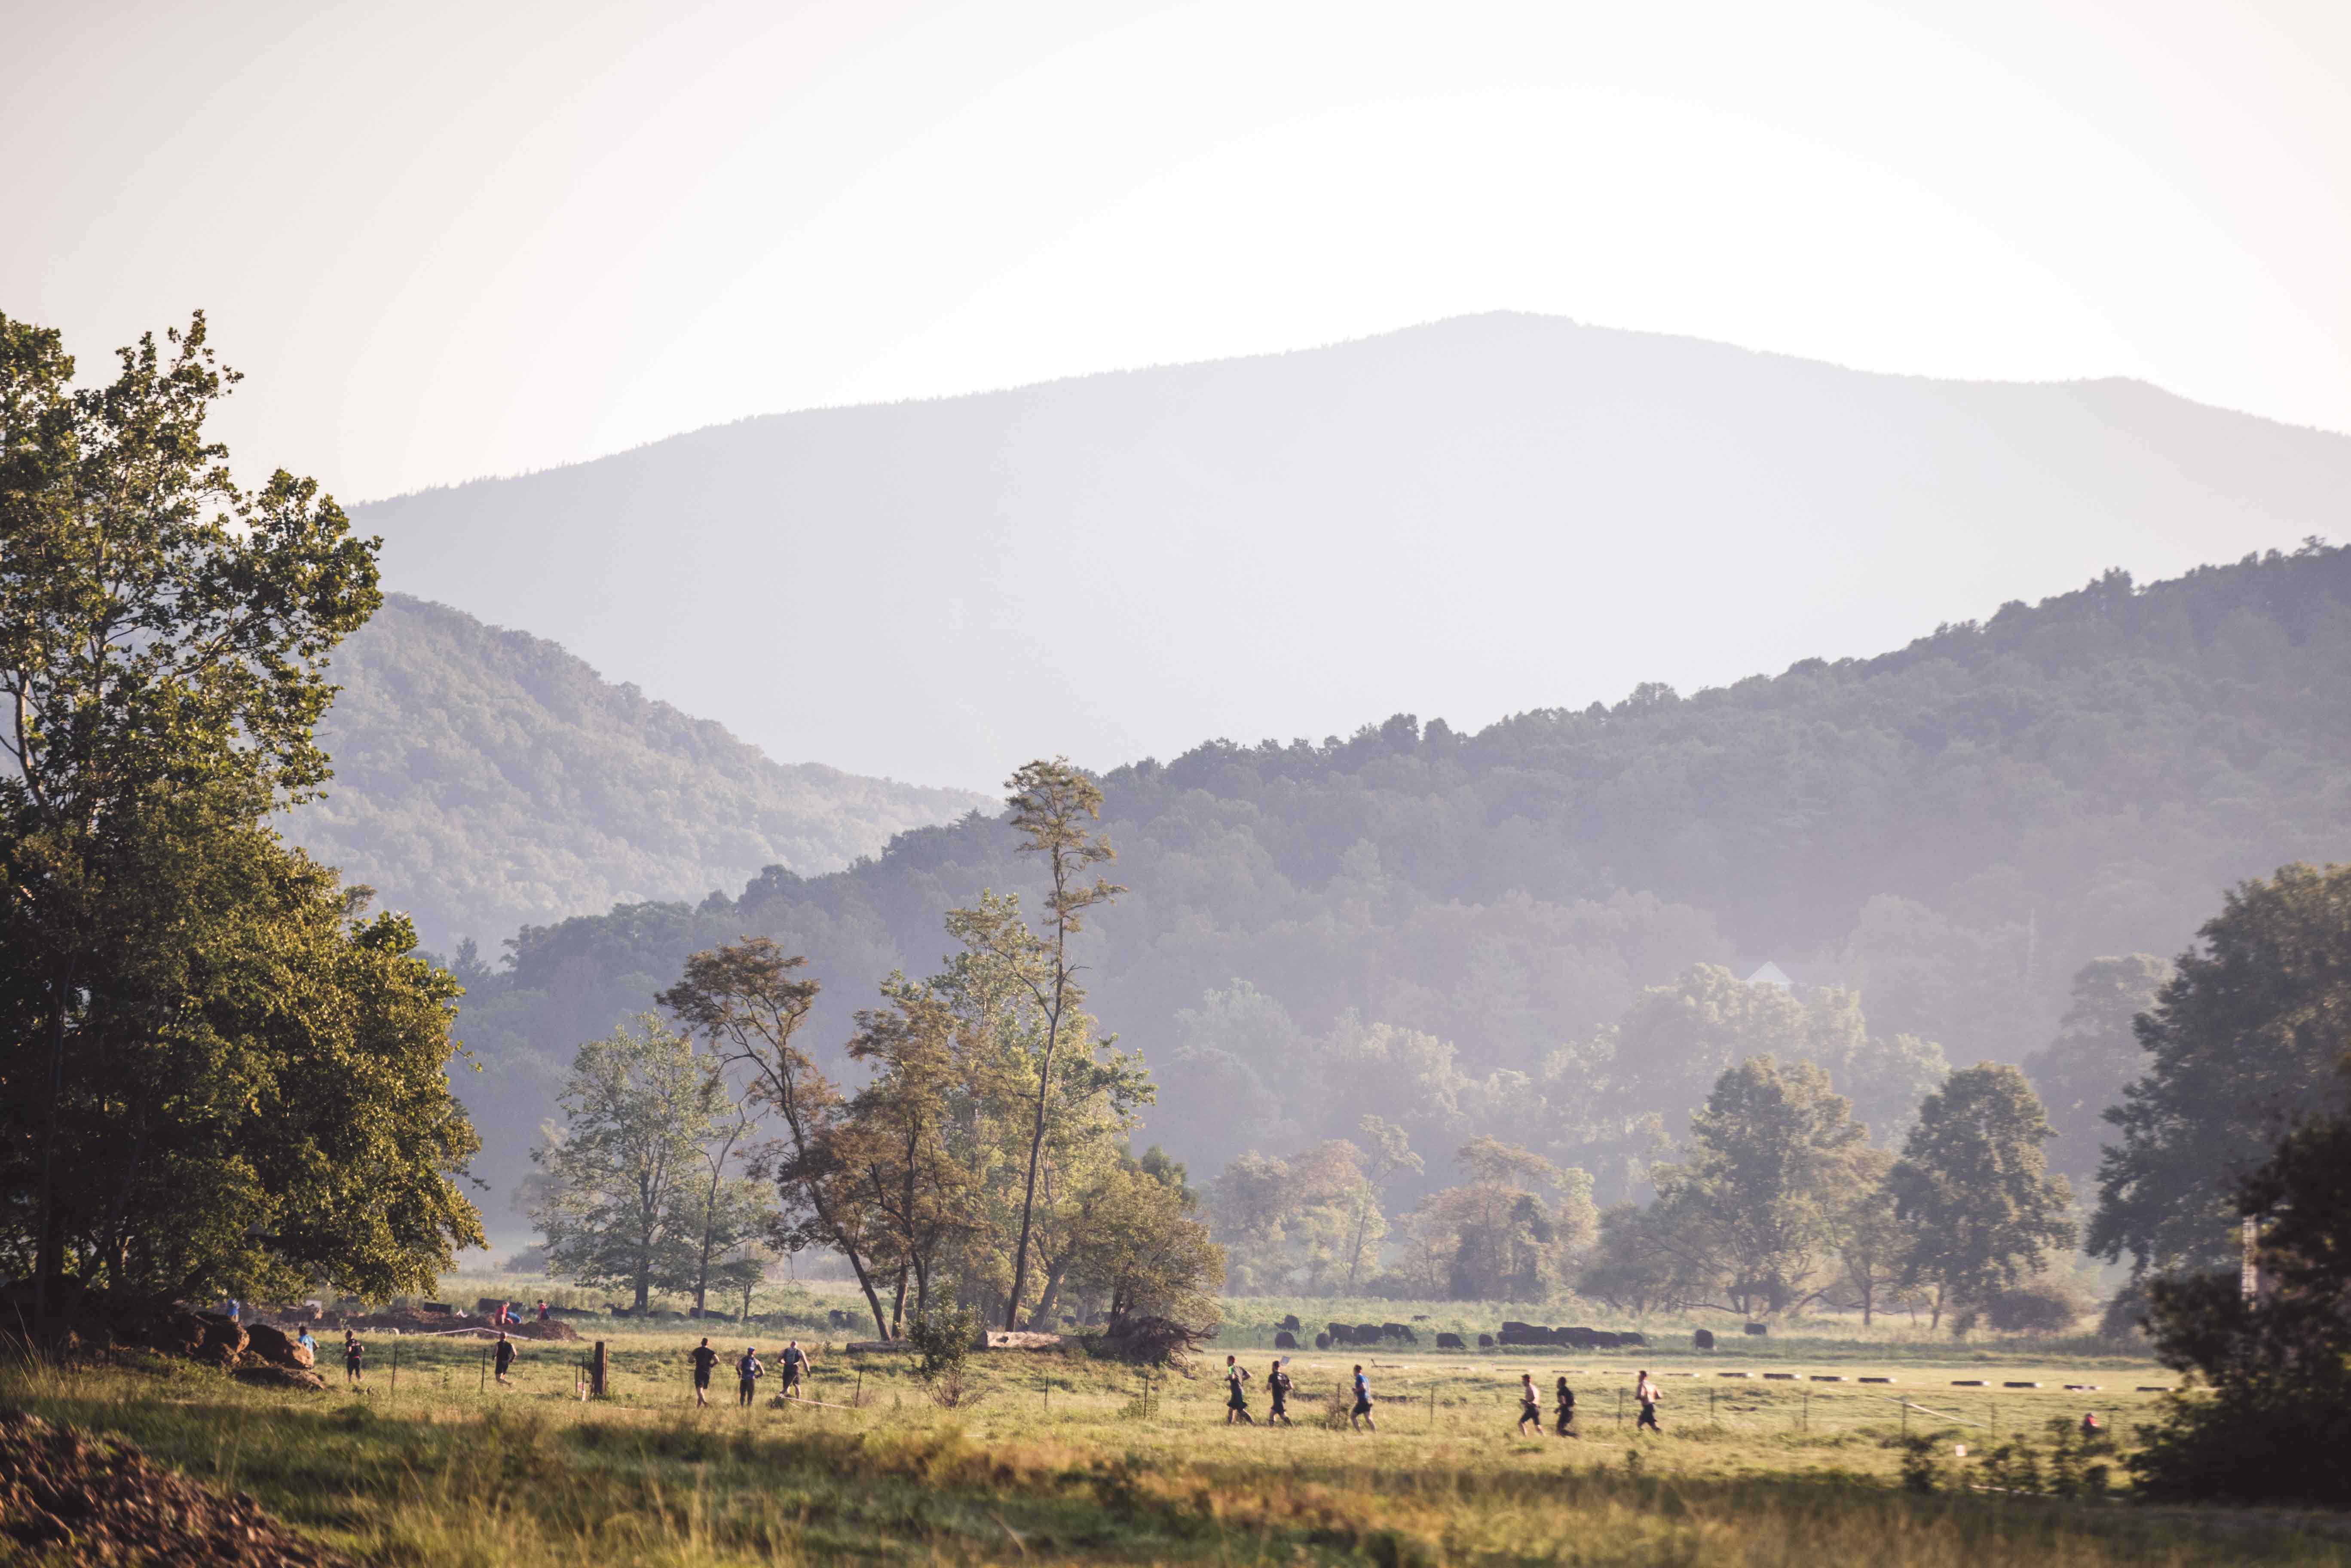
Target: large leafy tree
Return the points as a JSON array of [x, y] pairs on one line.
[[618, 1206], [1972, 1190], [2277, 1420], [897, 1136], [163, 638], [1756, 1207], [2241, 1046]]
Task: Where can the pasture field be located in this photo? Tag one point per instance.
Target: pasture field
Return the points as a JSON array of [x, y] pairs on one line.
[[1053, 1458]]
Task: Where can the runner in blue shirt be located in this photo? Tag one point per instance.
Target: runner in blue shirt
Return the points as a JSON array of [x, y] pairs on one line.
[[1363, 1410]]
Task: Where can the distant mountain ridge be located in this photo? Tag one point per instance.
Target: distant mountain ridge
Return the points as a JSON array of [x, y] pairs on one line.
[[1475, 518], [486, 780]]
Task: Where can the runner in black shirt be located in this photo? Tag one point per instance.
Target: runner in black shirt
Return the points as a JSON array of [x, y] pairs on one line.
[[704, 1358], [795, 1362], [504, 1357], [1277, 1383], [353, 1351]]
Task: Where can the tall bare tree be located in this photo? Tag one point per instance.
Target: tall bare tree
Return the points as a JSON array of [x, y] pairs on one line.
[[1052, 802]]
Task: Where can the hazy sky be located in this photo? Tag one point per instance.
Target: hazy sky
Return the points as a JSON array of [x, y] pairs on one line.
[[453, 238]]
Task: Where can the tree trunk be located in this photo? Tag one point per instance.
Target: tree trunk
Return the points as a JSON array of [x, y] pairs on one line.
[[898, 1305], [1041, 1320], [1355, 1257], [1036, 1151], [702, 1271], [49, 1242]]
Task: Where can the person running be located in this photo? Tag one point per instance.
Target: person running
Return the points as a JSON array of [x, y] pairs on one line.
[[1648, 1394], [307, 1343], [1363, 1410], [703, 1359], [353, 1351], [502, 1359], [1566, 1398], [1530, 1403], [795, 1362], [749, 1371], [1276, 1385], [1236, 1401]]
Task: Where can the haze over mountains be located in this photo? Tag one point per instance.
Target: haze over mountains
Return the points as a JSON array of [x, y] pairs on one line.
[[1471, 519], [485, 780]]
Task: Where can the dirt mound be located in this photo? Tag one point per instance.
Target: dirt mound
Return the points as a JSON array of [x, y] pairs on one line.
[[269, 1343], [550, 1328], [92, 1500]]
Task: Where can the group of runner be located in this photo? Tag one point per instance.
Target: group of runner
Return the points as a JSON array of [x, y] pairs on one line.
[[794, 1363], [1359, 1415], [1279, 1384]]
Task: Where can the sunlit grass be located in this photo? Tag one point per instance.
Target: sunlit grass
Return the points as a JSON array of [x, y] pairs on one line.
[[1062, 1458]]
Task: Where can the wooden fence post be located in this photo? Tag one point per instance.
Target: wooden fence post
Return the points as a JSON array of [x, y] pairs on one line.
[[596, 1372]]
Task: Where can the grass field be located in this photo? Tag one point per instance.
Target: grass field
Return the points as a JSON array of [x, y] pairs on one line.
[[1053, 1459]]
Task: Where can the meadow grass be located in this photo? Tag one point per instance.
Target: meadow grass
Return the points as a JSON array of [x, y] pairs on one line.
[[1064, 1458]]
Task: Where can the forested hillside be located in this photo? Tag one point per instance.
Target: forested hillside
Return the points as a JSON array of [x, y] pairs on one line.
[[1501, 931], [486, 778]]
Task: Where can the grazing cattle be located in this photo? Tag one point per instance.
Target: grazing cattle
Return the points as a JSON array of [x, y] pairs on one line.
[[1485, 1342], [1289, 1323], [1321, 1341], [1398, 1331], [1449, 1342], [1603, 1340], [1703, 1339], [1285, 1340], [1341, 1334], [1578, 1338], [1633, 1337], [1525, 1333], [1367, 1334], [1759, 1328]]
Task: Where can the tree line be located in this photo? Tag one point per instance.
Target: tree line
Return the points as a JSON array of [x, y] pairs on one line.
[[1953, 832]]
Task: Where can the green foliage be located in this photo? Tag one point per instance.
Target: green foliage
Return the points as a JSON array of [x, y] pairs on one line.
[[2036, 1307], [2243, 1044], [942, 1341], [212, 1075], [1971, 1189], [1753, 1214], [619, 1204], [2277, 1420], [2081, 1073]]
